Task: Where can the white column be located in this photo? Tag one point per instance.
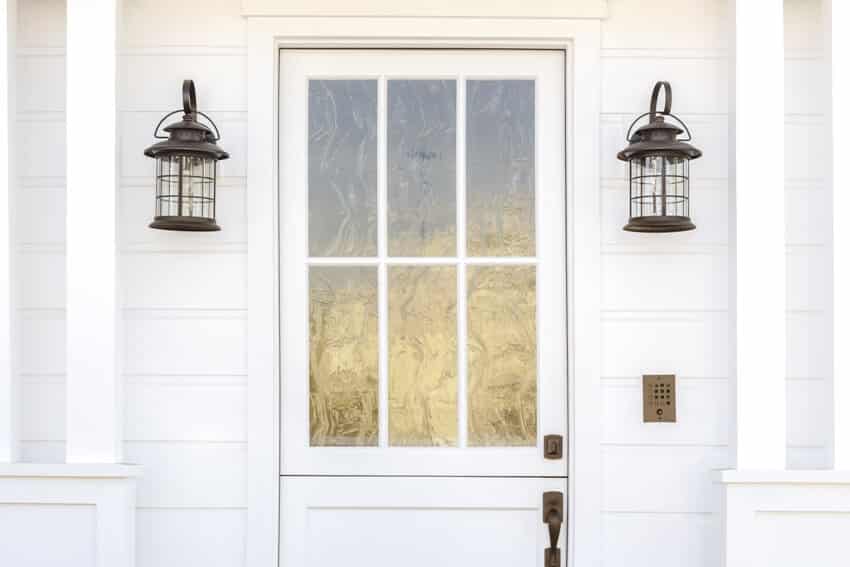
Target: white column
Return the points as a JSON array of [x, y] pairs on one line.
[[93, 383], [8, 185], [840, 64], [757, 132]]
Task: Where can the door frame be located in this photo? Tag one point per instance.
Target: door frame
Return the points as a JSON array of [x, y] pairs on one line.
[[580, 39]]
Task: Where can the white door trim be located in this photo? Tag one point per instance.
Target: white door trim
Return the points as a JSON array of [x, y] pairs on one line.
[[581, 40]]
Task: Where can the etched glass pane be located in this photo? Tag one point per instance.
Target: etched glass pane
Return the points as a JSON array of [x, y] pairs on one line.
[[421, 168], [500, 168], [502, 355], [342, 168], [343, 356], [423, 355]]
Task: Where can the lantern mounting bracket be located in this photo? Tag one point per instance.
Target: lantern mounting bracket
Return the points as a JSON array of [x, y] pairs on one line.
[[670, 114], [653, 110], [190, 101], [190, 109], [159, 136], [653, 103]]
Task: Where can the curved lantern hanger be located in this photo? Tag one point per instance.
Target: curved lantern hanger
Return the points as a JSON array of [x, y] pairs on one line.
[[653, 110], [190, 111]]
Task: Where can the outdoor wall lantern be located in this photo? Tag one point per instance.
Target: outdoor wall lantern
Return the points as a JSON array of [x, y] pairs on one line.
[[186, 169], [659, 192]]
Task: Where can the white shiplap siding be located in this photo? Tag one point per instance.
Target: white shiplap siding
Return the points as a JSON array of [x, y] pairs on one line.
[[39, 237], [664, 298], [183, 296]]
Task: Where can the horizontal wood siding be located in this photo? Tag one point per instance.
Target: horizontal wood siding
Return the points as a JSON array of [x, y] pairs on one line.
[[665, 299], [183, 295]]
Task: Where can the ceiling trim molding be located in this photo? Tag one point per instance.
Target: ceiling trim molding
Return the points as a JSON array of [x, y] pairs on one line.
[[535, 9]]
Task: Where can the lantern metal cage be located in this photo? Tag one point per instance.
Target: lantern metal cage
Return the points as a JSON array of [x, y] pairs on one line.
[[659, 170], [186, 169]]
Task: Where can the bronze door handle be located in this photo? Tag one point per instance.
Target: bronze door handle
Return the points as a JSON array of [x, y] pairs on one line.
[[553, 516]]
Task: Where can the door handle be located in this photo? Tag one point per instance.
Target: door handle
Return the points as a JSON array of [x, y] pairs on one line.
[[553, 516]]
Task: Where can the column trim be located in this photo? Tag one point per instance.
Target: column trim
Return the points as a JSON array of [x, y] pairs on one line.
[[838, 14], [757, 133], [8, 186], [94, 408]]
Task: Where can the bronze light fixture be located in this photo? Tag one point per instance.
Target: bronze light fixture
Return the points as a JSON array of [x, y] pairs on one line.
[[659, 168], [186, 169]]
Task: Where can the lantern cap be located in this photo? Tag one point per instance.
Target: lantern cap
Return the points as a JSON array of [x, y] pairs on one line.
[[659, 136], [188, 136]]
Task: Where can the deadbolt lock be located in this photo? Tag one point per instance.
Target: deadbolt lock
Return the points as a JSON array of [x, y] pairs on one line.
[[553, 447]]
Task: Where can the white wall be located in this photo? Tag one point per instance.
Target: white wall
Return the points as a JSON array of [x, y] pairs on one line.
[[664, 298], [183, 295]]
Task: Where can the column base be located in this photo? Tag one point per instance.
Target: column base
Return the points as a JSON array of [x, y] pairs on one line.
[[68, 514], [785, 518]]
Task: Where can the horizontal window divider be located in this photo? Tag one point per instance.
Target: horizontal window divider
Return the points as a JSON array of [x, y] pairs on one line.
[[424, 261]]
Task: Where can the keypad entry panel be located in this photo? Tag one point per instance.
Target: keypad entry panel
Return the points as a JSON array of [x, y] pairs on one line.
[[659, 398]]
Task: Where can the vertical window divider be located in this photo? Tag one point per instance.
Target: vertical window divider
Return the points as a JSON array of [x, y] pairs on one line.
[[460, 190], [383, 292]]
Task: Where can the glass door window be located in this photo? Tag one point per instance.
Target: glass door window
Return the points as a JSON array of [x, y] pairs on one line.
[[423, 292]]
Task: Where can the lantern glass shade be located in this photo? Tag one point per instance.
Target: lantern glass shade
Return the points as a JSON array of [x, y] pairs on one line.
[[185, 187], [659, 186]]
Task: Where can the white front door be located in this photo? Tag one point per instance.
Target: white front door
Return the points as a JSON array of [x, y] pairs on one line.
[[423, 305]]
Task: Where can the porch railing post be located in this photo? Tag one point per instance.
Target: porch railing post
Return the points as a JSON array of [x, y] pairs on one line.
[[8, 186], [757, 182], [94, 416]]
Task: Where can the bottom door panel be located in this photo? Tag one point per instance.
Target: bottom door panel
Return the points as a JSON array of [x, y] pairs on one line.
[[416, 522]]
